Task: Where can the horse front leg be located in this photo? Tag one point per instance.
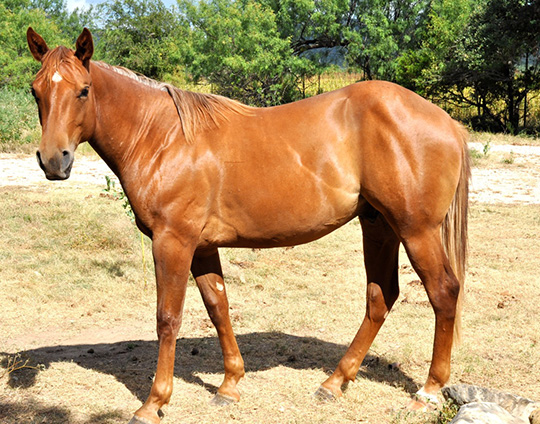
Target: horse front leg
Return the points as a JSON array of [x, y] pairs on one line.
[[206, 269], [172, 258]]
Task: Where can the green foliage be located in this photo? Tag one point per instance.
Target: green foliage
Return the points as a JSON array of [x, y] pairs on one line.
[[384, 30], [17, 66], [69, 23], [420, 68], [497, 61], [117, 193], [236, 47], [142, 35], [366, 35], [447, 412], [18, 119], [311, 26]]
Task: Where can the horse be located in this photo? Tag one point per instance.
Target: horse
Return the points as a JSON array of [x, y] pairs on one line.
[[203, 171]]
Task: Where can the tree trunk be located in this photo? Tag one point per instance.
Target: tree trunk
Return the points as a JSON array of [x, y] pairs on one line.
[[513, 106]]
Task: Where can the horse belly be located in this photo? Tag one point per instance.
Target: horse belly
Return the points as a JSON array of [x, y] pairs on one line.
[[281, 211]]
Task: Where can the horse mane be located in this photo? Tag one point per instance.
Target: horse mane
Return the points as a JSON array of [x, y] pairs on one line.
[[196, 110]]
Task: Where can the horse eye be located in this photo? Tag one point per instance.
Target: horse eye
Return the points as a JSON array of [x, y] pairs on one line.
[[84, 93]]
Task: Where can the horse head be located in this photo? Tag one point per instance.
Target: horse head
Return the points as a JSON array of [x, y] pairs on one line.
[[63, 93]]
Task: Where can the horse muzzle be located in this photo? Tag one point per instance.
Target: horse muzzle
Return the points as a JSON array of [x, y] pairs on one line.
[[58, 166]]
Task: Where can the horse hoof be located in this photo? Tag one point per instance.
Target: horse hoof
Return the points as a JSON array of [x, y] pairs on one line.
[[423, 402], [222, 400], [323, 394], [421, 405], [139, 420]]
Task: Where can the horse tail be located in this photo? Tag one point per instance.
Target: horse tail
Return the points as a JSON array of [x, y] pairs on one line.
[[454, 228]]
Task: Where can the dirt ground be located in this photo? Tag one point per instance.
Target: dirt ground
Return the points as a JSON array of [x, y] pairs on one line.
[[86, 356], [518, 182]]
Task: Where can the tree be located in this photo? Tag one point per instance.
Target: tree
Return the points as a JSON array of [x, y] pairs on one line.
[[370, 35], [311, 25], [497, 61], [236, 46], [382, 32], [69, 23], [142, 35], [420, 67]]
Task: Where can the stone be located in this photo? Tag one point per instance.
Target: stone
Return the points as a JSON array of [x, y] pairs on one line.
[[517, 406], [484, 413]]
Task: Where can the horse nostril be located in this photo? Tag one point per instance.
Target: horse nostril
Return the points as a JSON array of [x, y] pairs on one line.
[[67, 160]]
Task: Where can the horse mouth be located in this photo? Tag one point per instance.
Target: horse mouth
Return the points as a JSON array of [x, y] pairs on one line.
[[57, 177]]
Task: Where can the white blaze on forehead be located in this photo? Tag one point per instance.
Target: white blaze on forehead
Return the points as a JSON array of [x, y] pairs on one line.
[[219, 286], [57, 77]]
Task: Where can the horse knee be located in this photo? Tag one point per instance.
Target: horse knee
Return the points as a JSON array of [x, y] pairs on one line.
[[168, 325], [161, 392]]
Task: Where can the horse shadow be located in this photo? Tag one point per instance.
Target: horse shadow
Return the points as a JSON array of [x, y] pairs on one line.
[[133, 362]]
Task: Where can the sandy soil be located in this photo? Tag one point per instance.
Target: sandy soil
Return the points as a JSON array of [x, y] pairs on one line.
[[518, 182]]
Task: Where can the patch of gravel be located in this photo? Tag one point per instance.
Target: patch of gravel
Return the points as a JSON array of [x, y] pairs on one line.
[[515, 183]]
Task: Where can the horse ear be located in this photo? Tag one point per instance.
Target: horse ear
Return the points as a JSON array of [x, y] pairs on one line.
[[36, 43], [85, 48]]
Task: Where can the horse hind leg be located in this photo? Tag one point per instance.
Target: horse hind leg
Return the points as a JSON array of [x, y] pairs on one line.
[[381, 248], [427, 255], [209, 277]]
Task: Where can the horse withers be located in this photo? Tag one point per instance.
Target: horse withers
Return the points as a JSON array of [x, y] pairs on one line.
[[203, 171]]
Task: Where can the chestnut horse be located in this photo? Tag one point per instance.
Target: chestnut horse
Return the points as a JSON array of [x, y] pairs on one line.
[[202, 172]]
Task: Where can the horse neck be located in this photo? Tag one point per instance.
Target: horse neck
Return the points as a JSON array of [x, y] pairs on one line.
[[130, 120]]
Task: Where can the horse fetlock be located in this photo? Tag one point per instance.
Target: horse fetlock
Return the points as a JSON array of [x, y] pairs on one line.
[[234, 366], [346, 371], [336, 382]]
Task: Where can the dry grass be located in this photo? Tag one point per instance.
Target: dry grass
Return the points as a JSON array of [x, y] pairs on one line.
[[507, 139], [73, 300]]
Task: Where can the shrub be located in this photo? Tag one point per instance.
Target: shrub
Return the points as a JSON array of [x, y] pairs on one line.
[[19, 123]]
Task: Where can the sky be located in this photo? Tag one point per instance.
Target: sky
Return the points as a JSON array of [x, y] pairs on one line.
[[74, 4]]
